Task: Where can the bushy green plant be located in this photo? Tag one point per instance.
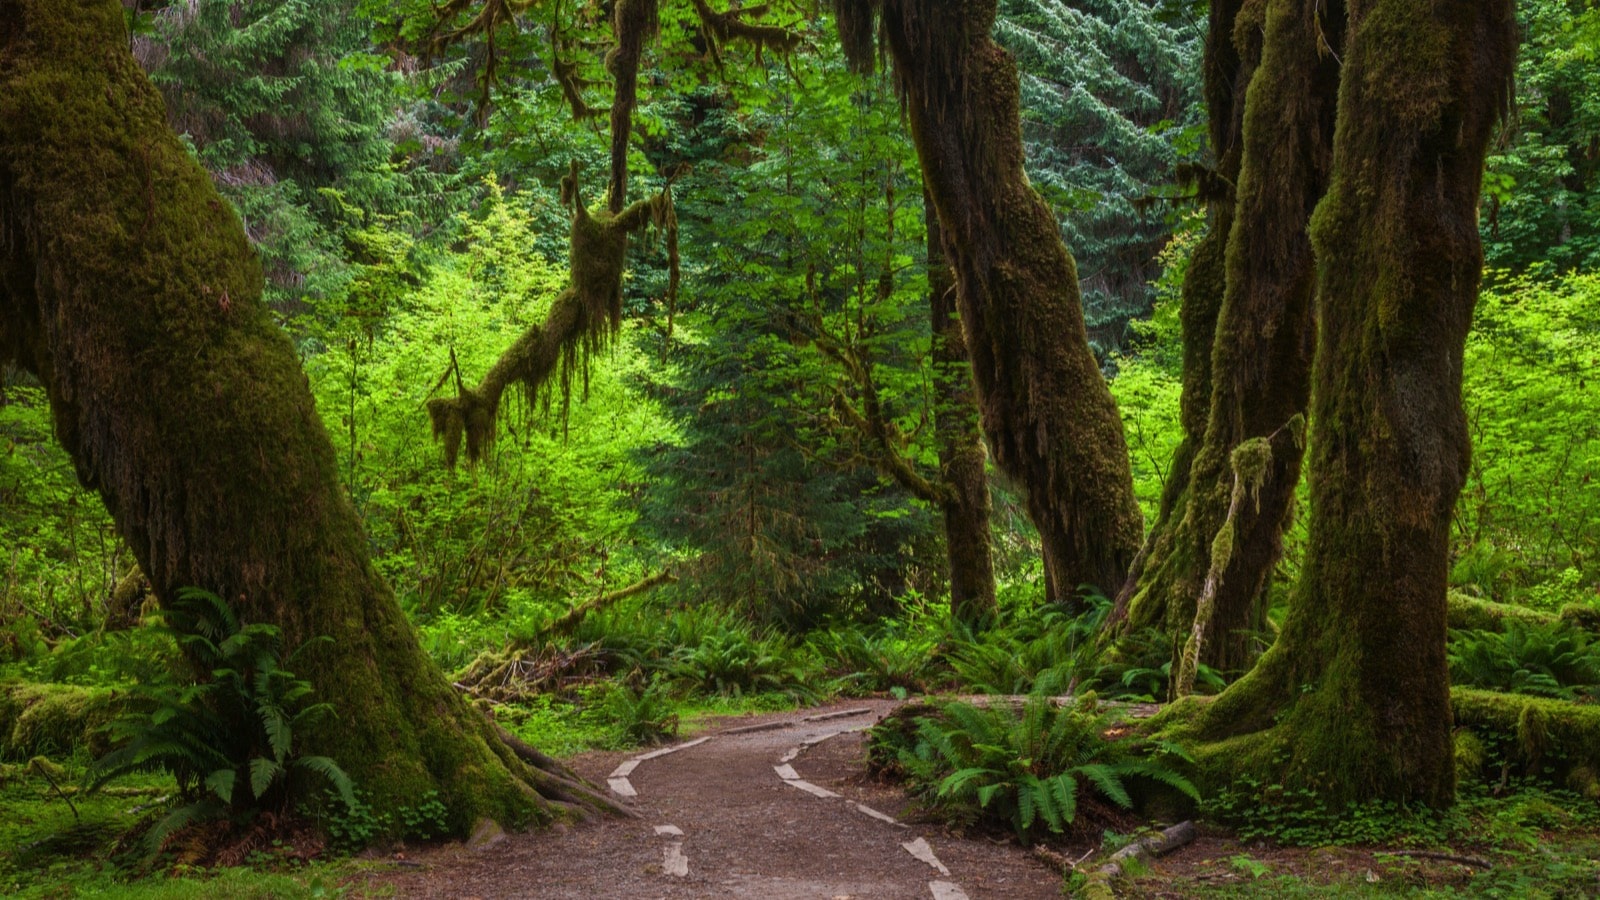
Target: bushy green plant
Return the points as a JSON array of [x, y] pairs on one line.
[[1554, 660], [228, 738], [882, 658], [1028, 769], [640, 716], [737, 663]]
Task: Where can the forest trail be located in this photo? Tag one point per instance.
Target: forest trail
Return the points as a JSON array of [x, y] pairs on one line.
[[776, 807]]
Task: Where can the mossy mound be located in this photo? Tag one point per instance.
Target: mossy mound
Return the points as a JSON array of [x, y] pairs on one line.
[[54, 719]]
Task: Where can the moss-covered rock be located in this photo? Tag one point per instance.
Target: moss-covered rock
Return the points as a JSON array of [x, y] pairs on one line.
[[54, 719]]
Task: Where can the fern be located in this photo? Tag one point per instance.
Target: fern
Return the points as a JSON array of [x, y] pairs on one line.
[[1026, 769], [1554, 660], [234, 727]]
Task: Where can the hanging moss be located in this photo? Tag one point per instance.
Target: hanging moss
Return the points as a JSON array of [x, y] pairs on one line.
[[737, 25], [584, 319]]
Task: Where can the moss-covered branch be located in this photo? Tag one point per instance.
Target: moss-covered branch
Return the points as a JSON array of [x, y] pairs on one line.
[[1257, 370], [582, 321]]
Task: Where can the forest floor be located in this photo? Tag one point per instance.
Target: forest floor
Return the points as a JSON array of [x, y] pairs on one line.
[[781, 807]]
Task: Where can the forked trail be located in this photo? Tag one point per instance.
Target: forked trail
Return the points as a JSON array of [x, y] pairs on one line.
[[775, 808]]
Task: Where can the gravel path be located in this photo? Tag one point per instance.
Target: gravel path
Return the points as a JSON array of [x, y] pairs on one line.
[[775, 808]]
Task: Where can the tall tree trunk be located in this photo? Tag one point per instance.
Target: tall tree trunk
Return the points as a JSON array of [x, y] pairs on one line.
[[127, 285], [1048, 414], [1260, 371], [1353, 701], [961, 453], [1225, 74]]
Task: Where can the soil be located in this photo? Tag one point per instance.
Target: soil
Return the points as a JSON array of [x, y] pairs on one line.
[[747, 831]]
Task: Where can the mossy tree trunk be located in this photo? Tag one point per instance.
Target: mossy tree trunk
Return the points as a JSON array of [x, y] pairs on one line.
[[127, 285], [1259, 373], [1353, 700], [1225, 75], [1048, 415], [961, 455]]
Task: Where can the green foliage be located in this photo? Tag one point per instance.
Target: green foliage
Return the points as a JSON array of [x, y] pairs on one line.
[[353, 824], [1148, 382], [1554, 660], [1028, 769], [890, 655], [1542, 188], [1529, 512], [228, 738], [810, 236], [283, 101], [641, 716], [59, 554], [738, 663]]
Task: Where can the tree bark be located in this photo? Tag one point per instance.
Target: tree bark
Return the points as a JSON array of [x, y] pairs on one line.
[[1258, 380], [961, 454], [1353, 701], [1045, 408], [127, 285], [1226, 74]]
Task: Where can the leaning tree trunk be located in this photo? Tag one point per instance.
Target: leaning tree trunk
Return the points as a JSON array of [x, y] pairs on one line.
[[1048, 414], [1353, 702], [1260, 372], [965, 504], [1225, 74], [127, 285]]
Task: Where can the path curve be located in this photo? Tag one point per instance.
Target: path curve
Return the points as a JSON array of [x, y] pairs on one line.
[[775, 808]]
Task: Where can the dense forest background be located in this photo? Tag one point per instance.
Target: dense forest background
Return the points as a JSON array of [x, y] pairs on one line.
[[733, 453]]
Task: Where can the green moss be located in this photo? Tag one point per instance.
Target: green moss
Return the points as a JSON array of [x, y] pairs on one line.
[[53, 719], [1472, 614], [1470, 755], [1552, 735], [1582, 615]]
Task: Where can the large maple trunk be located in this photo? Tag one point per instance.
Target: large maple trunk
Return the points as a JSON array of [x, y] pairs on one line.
[[128, 286], [1352, 702], [1049, 417]]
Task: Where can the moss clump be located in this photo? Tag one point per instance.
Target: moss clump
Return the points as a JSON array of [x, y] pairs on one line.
[[1585, 616], [1470, 755], [53, 718]]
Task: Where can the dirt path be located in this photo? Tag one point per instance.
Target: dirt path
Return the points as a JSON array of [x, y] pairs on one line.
[[775, 807]]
